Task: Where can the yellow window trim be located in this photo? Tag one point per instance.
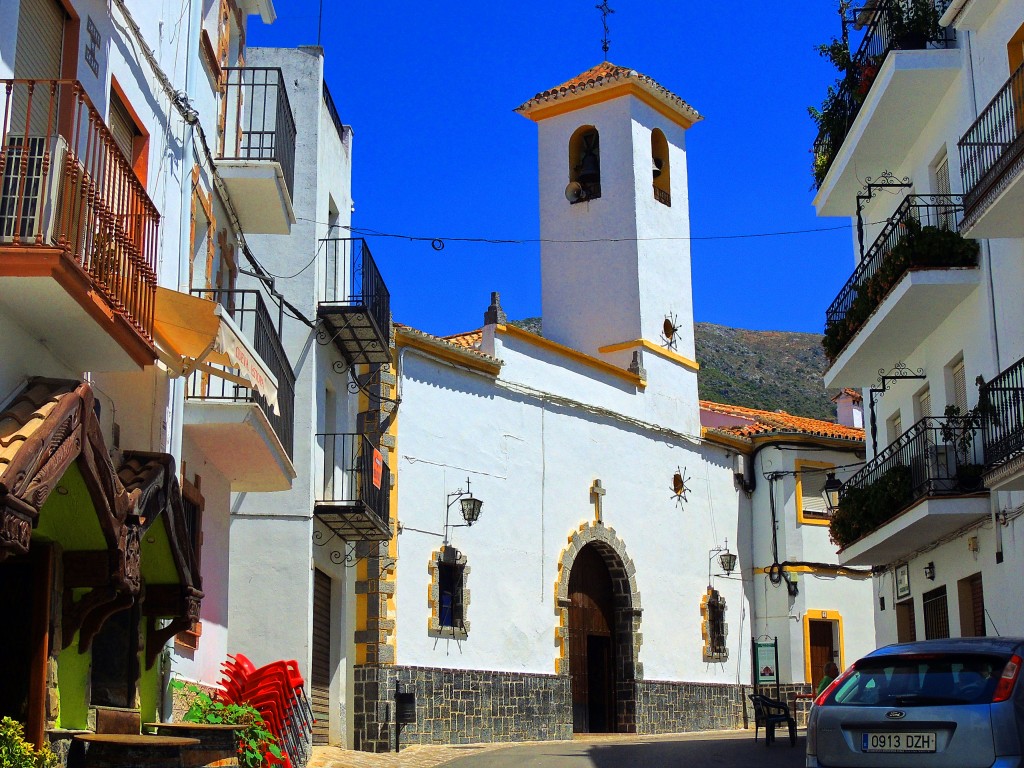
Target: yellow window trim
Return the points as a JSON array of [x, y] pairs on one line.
[[580, 357], [657, 349], [820, 615], [801, 464]]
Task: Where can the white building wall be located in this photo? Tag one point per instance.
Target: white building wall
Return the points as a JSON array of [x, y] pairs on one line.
[[532, 463]]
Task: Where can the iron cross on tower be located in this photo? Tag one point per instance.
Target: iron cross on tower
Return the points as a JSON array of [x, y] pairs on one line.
[[605, 10]]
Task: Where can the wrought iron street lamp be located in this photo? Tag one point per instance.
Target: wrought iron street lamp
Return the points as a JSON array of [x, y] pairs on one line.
[[831, 493], [470, 508], [726, 559]]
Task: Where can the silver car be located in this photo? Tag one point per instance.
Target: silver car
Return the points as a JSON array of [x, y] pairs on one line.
[[951, 703]]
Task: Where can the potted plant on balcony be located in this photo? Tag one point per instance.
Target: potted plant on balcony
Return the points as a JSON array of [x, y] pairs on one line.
[[913, 23], [958, 430], [863, 509]]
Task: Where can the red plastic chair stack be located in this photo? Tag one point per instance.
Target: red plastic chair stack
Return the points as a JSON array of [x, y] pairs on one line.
[[277, 691]]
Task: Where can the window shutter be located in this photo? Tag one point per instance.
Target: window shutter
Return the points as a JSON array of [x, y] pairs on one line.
[[38, 56], [40, 40], [812, 488], [122, 127], [960, 387], [924, 403]]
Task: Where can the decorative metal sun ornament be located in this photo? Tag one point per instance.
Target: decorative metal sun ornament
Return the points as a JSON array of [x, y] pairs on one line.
[[669, 331], [680, 487]]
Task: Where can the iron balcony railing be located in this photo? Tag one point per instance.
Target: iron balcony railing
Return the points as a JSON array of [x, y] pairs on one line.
[[351, 278], [993, 145], [66, 185], [1002, 401], [250, 314], [885, 30], [350, 476], [937, 456], [916, 211], [332, 111], [256, 119]]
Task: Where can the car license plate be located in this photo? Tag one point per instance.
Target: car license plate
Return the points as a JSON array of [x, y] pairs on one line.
[[898, 741]]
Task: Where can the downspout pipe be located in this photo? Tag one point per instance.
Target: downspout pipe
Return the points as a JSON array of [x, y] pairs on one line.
[[185, 217]]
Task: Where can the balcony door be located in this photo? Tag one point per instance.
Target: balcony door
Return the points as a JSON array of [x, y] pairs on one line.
[[32, 119]]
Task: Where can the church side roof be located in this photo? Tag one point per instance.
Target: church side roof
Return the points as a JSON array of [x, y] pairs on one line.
[[607, 76], [759, 423], [460, 345]]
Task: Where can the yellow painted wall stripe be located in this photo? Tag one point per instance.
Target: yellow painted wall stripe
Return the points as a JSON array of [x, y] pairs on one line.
[[657, 349], [561, 349]]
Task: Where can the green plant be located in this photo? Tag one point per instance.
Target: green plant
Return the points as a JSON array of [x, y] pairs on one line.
[[863, 509], [913, 23], [927, 247], [16, 752], [255, 741]]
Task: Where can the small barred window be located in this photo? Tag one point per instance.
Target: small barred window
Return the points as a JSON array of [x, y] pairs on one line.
[[448, 597], [713, 627]]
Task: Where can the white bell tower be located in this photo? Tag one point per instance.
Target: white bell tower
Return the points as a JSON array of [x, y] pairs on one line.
[[614, 206]]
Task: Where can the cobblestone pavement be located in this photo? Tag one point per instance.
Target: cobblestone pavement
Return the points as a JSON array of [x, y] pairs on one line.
[[737, 748], [415, 756]]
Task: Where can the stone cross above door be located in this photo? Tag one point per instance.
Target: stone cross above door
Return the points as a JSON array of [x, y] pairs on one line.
[[597, 492]]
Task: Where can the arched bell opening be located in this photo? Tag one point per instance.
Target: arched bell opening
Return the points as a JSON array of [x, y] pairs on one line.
[[585, 164], [661, 170]]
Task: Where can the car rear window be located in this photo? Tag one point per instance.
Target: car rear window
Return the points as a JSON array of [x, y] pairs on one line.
[[920, 681]]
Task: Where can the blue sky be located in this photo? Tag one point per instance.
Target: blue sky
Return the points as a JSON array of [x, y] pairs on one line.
[[429, 89]]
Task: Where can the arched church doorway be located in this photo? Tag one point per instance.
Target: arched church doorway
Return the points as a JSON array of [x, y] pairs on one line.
[[595, 642]]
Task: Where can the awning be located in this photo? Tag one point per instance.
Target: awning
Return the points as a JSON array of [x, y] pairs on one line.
[[194, 334]]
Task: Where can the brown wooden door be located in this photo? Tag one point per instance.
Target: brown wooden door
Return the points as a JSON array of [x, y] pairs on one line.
[[822, 649], [320, 671], [591, 644]]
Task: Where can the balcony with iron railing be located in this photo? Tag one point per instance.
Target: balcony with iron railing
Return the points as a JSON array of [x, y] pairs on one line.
[[78, 232], [1002, 409], [354, 500], [926, 484], [355, 310], [886, 93], [916, 272], [250, 438], [257, 148], [991, 161]]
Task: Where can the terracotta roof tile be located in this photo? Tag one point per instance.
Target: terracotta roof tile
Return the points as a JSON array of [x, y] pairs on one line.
[[469, 340], [759, 422], [27, 413], [467, 343], [608, 74], [854, 393]]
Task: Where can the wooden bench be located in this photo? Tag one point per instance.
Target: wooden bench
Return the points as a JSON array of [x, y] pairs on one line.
[[767, 714]]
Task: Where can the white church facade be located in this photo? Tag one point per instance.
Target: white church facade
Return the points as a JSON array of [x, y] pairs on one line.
[[590, 592]]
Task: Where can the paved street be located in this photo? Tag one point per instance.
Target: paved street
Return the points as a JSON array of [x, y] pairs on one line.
[[706, 750]]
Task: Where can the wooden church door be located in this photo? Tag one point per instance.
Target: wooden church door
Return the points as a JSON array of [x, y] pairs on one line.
[[591, 644]]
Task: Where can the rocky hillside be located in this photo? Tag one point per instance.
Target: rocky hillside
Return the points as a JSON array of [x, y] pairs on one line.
[[773, 370]]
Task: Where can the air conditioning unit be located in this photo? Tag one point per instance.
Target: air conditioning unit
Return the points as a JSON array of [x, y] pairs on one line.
[[31, 197]]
